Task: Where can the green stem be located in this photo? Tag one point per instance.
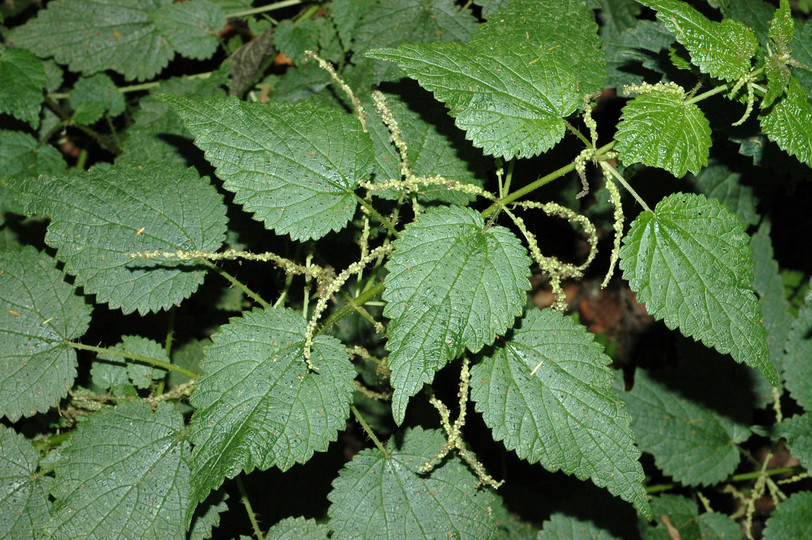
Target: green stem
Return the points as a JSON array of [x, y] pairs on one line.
[[346, 309], [237, 283], [657, 488], [369, 432], [137, 87], [170, 332], [374, 213], [263, 9], [81, 161], [51, 441], [132, 356], [709, 93], [619, 177], [250, 511], [508, 178], [312, 10], [361, 311], [96, 136], [578, 134], [558, 173]]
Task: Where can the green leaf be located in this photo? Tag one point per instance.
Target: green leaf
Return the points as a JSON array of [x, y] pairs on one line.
[[257, 404], [22, 78], [618, 16], [318, 35], [717, 526], [24, 503], [789, 123], [677, 516], [158, 133], [691, 264], [435, 146], [547, 393], [298, 528], [379, 497], [293, 166], [689, 441], [635, 48], [98, 218], [110, 371], [678, 512], [95, 35], [797, 367], [754, 14], [719, 182], [660, 128], [189, 355], [92, 96], [798, 432], [139, 485], [775, 308], [389, 23], [21, 156], [792, 519], [512, 100], [563, 527], [782, 28], [722, 49], [802, 52], [190, 27], [303, 82], [453, 283], [40, 312], [208, 516], [489, 7], [346, 15]]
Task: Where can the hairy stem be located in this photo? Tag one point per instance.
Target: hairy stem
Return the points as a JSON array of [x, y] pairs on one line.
[[132, 356], [237, 283], [619, 177], [348, 308], [368, 431], [250, 511], [263, 9]]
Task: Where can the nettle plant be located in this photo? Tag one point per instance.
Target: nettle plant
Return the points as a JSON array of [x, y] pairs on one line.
[[389, 158]]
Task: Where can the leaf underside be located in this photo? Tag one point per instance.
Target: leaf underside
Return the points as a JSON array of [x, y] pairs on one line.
[[690, 262]]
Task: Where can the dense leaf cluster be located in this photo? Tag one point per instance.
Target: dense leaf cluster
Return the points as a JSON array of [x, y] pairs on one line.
[[288, 240]]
